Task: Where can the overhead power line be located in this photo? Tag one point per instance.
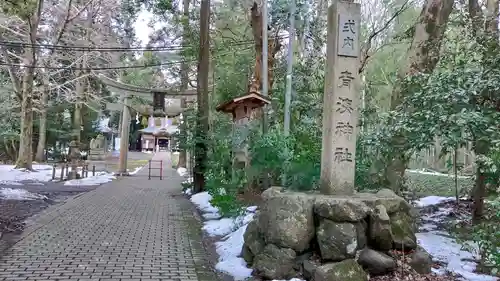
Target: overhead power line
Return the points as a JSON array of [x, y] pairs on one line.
[[110, 67], [13, 44]]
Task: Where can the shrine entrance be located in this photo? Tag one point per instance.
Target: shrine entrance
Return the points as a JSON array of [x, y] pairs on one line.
[[162, 144]]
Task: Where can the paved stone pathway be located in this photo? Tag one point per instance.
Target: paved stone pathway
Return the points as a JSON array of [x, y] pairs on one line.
[[132, 229]]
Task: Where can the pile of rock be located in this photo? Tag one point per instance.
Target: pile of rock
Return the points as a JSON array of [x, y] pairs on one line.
[[352, 235]]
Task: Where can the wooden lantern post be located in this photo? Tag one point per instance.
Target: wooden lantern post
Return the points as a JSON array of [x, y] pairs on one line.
[[243, 109]]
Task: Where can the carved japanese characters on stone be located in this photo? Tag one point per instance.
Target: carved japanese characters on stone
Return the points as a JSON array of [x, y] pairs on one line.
[[348, 41], [344, 128], [344, 105], [342, 155], [345, 79]]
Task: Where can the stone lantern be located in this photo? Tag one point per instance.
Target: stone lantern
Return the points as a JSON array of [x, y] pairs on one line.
[[74, 155]]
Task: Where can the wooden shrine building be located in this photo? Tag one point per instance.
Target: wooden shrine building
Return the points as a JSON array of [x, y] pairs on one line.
[[243, 109]]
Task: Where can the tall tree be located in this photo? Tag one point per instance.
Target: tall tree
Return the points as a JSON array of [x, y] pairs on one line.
[[30, 13], [274, 46], [184, 69], [421, 57], [487, 36], [202, 127]]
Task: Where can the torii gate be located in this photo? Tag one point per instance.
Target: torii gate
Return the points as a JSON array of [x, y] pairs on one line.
[[157, 95]]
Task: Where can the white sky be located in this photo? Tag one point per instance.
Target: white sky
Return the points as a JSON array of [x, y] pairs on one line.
[[142, 30]]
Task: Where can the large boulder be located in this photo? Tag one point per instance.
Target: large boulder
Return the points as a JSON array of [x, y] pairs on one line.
[[403, 231], [309, 268], [421, 261], [392, 202], [341, 208], [376, 263], [287, 221], [337, 241], [347, 270], [253, 241], [380, 229], [275, 263], [246, 254]]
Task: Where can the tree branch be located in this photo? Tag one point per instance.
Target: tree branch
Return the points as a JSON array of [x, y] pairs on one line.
[[16, 84], [366, 49]]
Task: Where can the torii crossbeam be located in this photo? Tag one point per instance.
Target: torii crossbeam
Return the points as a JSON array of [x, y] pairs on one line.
[[128, 91]]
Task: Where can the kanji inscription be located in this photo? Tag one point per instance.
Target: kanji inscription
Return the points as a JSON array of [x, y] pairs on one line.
[[348, 42], [345, 79], [341, 99], [344, 105], [342, 155], [344, 128]]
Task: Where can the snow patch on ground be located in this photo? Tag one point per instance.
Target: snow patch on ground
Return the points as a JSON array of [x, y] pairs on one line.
[[433, 200], [11, 176], [443, 247], [446, 250], [43, 173], [232, 230], [19, 194], [99, 178], [182, 171], [202, 202], [136, 170]]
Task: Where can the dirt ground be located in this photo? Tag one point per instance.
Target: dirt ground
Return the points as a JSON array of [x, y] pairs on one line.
[[15, 214]]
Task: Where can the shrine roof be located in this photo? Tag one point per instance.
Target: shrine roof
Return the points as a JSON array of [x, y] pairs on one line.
[[169, 130], [253, 97]]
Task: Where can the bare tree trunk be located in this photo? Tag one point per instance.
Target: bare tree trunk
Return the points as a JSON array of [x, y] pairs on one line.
[[24, 90], [42, 130], [24, 159], [422, 57], [202, 126], [77, 114], [184, 75], [273, 47], [479, 191]]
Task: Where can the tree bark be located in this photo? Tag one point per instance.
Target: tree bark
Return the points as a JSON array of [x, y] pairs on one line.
[[42, 129], [273, 48], [77, 118], [202, 127], [184, 75], [25, 156], [488, 36], [479, 191], [422, 57]]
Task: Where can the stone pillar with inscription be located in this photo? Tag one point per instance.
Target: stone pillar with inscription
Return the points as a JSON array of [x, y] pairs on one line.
[[341, 99]]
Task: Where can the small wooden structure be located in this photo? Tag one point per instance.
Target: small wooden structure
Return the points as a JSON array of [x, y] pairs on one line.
[[243, 109]]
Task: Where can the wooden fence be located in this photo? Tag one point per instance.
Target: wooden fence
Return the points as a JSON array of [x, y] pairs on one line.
[[61, 171]]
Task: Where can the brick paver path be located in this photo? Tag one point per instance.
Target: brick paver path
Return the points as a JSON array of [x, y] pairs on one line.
[[131, 229]]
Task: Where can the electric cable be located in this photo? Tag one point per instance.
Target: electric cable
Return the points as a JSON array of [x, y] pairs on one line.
[[110, 68], [14, 44]]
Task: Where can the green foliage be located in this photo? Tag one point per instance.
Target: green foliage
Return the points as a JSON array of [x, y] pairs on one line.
[[268, 152], [223, 183], [487, 237]]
